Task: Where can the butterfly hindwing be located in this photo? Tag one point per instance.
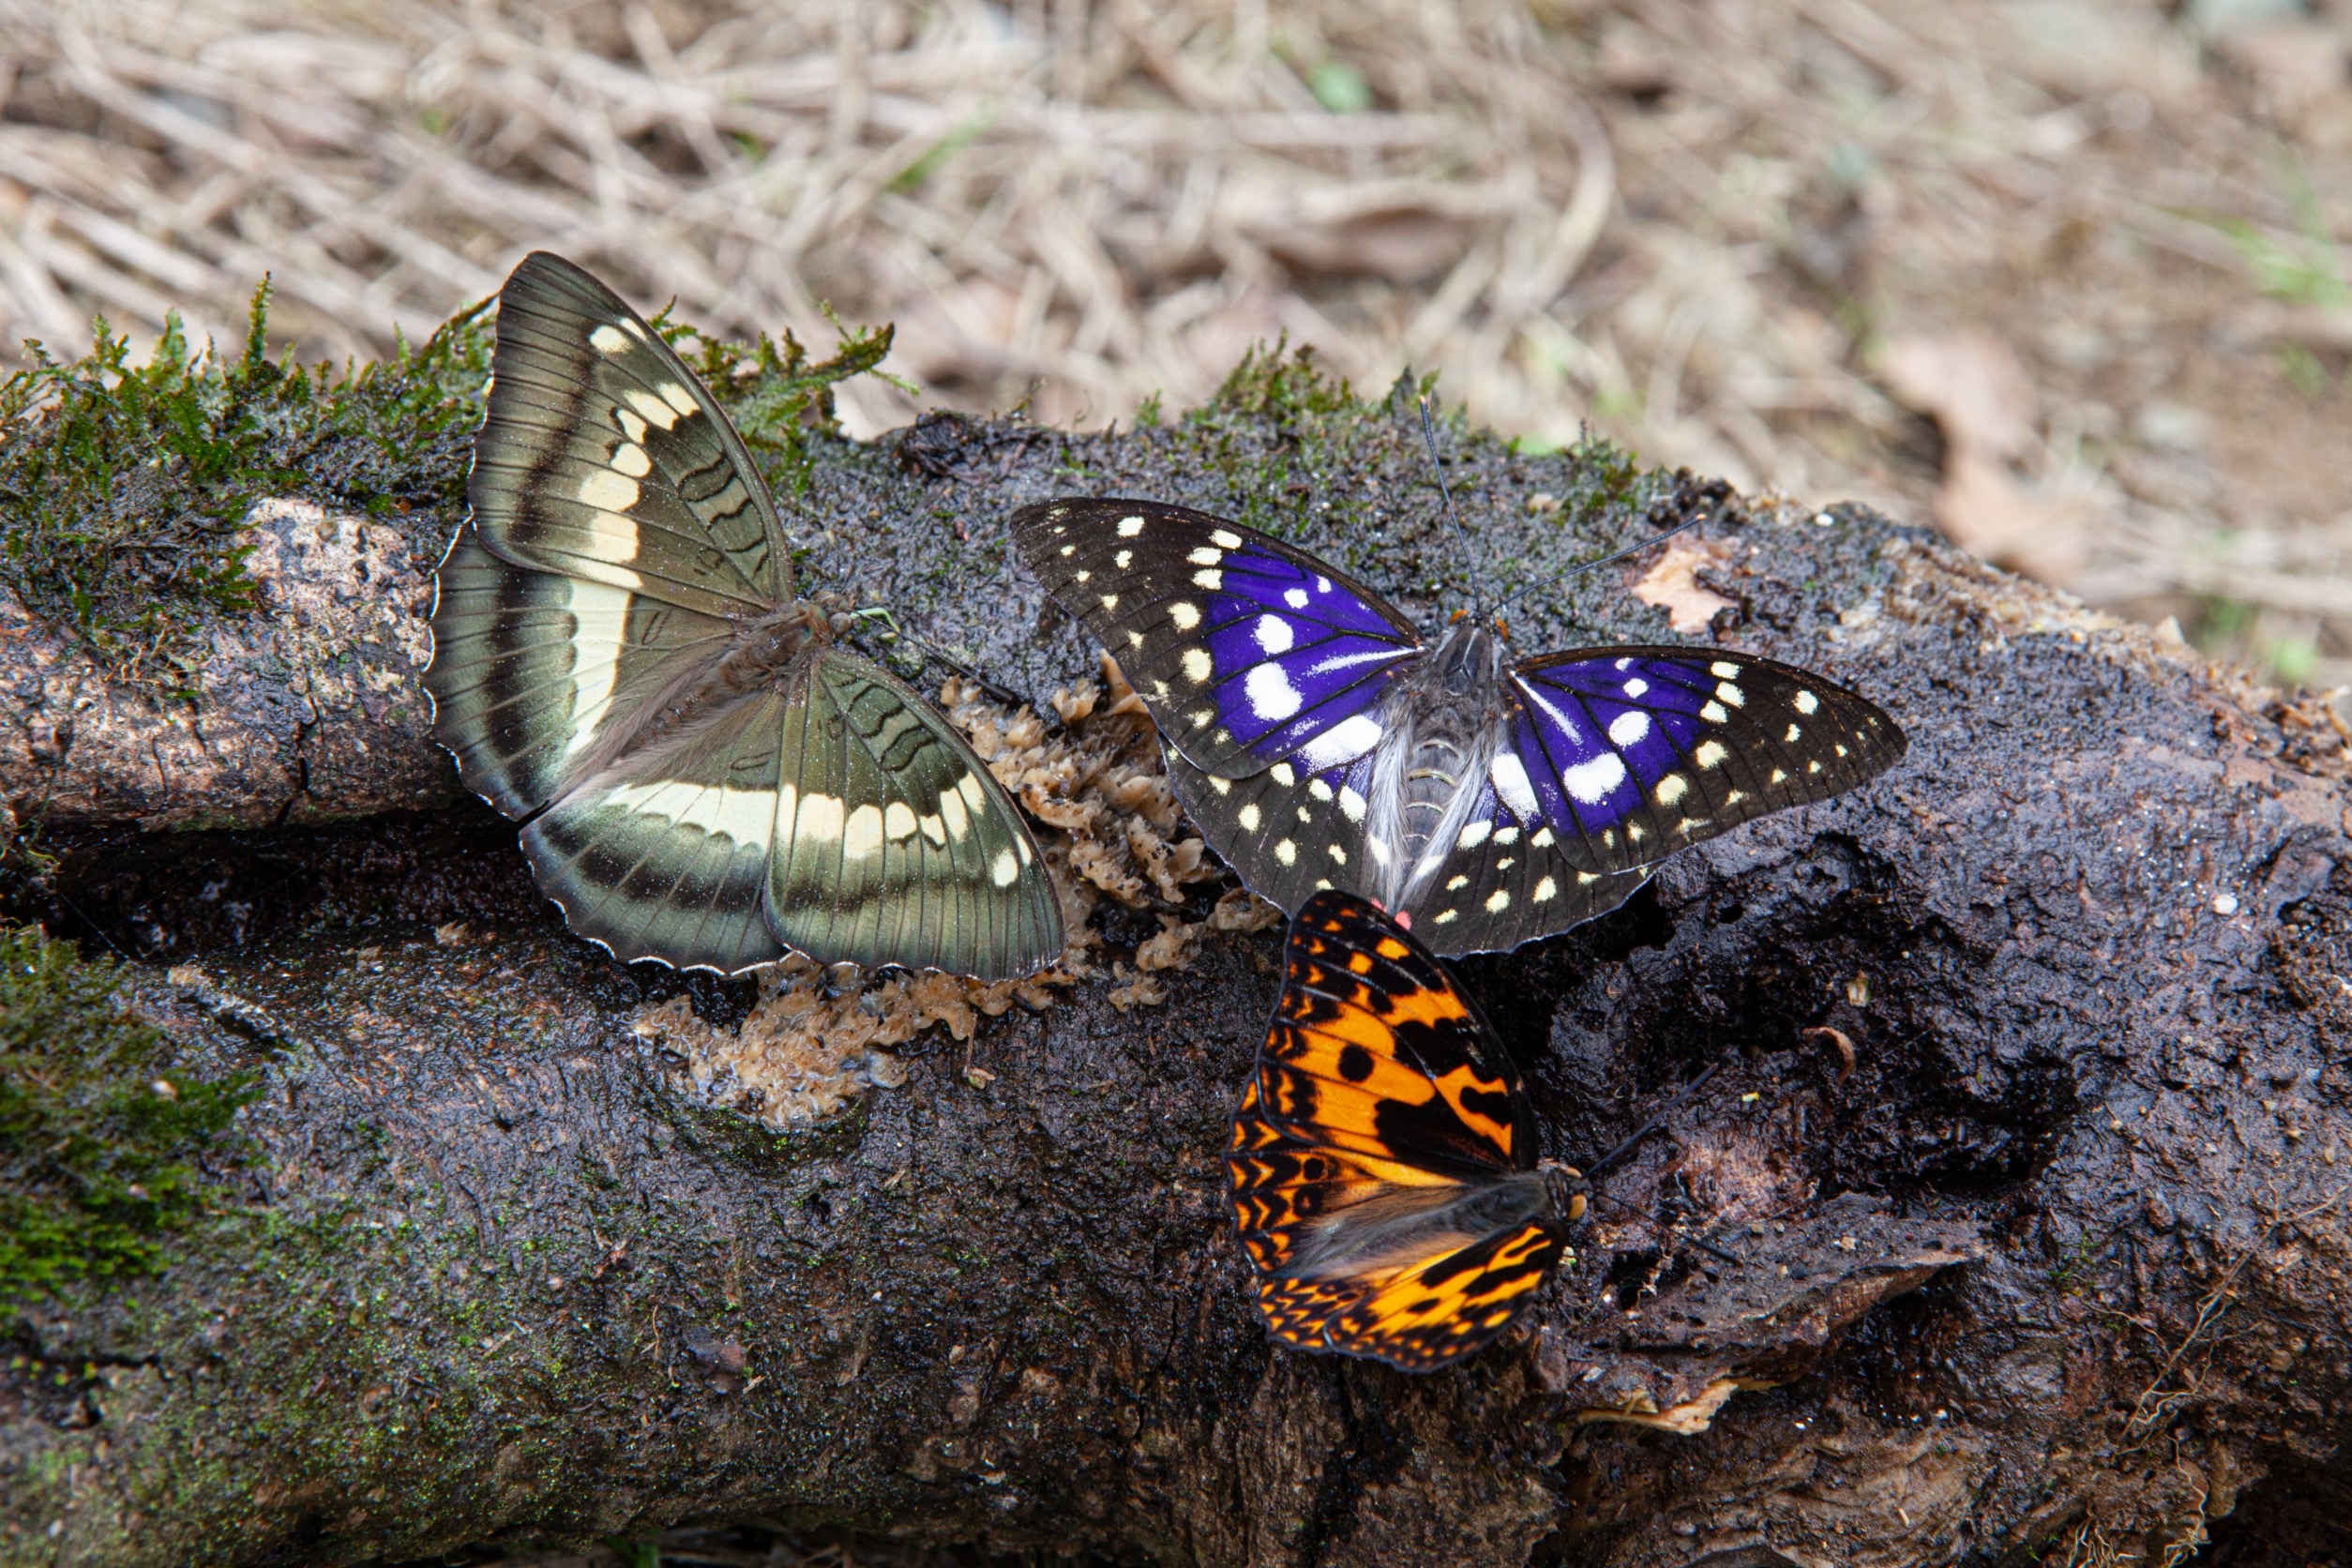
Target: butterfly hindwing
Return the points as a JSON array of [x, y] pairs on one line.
[[1632, 753], [1250, 650], [1299, 825], [1383, 1159], [667, 856], [528, 667], [602, 456], [901, 848]]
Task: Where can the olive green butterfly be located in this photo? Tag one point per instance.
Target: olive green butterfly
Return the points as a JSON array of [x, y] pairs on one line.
[[705, 776]]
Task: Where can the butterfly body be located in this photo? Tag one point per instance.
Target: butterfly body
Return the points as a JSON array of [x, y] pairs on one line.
[[1383, 1159], [707, 775], [1319, 740], [1441, 726]]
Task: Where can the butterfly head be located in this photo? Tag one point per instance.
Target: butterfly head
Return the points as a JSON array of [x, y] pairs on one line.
[[1470, 656], [1567, 1186]]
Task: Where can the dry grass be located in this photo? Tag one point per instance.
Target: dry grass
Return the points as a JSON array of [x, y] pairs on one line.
[[1764, 237]]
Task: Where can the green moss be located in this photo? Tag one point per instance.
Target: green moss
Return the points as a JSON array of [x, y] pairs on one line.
[[104, 1141], [1280, 383], [122, 486], [778, 396]]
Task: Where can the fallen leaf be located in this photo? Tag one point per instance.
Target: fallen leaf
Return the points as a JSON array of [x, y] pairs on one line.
[[1672, 584]]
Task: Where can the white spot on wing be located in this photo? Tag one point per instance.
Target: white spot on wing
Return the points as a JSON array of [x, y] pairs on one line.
[[1630, 729], [1183, 614], [1807, 702], [1204, 556], [1247, 817], [1726, 692], [1004, 870], [608, 491], [600, 616], [1591, 782], [1274, 634], [1635, 686], [1198, 667], [818, 821], [1282, 774], [1210, 578], [745, 816], [1344, 742], [678, 398], [1512, 784], [1286, 853], [1709, 753], [609, 339], [1473, 834], [1222, 786], [1723, 669], [1714, 713], [899, 821], [1294, 597], [1500, 902], [1673, 787], [655, 412], [1271, 697], [952, 813], [1352, 805], [1122, 559], [862, 835], [1226, 538], [630, 459], [1545, 891], [1130, 527]]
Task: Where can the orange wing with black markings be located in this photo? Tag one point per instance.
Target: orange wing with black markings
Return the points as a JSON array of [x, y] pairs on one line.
[[1383, 1155]]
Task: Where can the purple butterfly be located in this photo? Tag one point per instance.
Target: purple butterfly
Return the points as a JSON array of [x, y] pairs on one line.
[[1319, 742]]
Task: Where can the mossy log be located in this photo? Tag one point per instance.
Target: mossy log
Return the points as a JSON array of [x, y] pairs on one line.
[[2009, 1224]]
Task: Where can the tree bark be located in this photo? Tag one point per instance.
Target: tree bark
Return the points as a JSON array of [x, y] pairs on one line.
[[2008, 1224]]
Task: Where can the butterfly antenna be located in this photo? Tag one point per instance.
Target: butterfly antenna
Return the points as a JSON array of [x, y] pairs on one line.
[[1582, 567], [1631, 1212], [1652, 1126], [1470, 556]]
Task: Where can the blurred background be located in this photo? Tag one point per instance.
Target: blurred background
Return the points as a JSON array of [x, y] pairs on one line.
[[2068, 279]]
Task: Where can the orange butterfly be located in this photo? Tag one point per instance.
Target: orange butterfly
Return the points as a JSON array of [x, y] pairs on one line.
[[1385, 1182]]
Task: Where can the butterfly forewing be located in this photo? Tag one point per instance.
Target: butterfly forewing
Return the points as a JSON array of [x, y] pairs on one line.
[[1248, 650], [1382, 1157], [898, 846], [602, 456], [1632, 753], [1374, 1048], [529, 667]]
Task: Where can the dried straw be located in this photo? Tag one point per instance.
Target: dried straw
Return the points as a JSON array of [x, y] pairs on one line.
[[1690, 222]]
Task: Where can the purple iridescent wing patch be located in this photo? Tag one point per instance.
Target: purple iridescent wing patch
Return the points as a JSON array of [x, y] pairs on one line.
[[1247, 650], [1632, 753]]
